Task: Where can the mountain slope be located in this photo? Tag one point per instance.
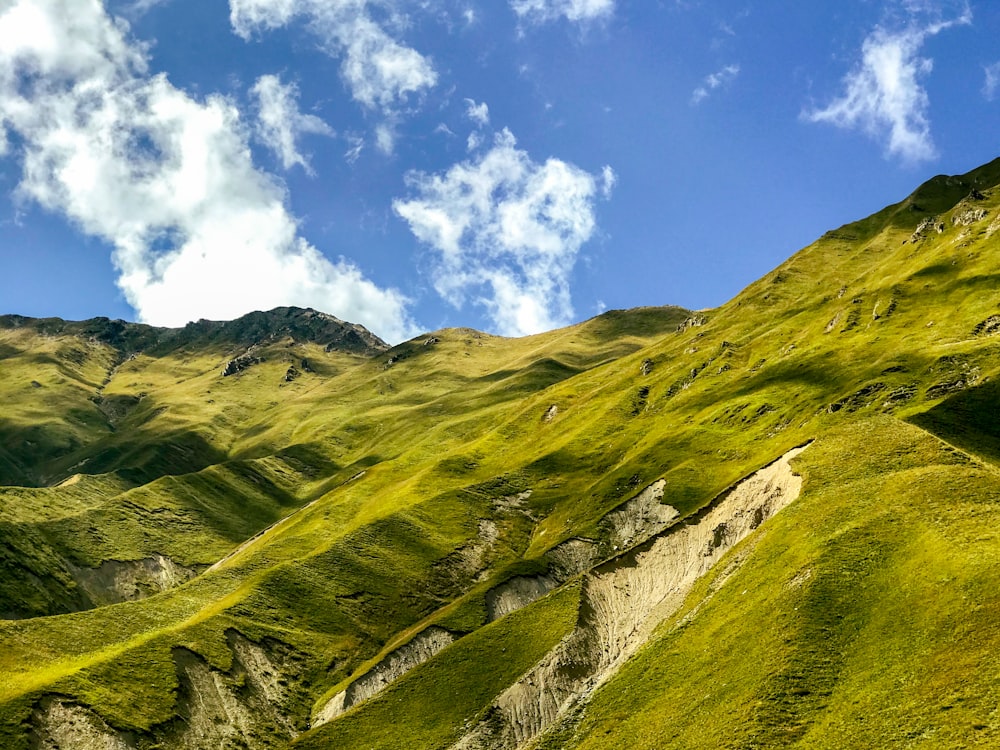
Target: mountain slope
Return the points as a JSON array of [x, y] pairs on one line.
[[401, 547]]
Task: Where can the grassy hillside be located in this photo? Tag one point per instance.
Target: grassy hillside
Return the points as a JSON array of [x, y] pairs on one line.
[[196, 559]]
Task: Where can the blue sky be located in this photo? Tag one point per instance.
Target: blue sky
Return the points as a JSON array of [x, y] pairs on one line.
[[512, 165]]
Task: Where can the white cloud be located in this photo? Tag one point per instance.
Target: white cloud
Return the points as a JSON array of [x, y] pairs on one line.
[[992, 80], [355, 145], [506, 232], [280, 123], [478, 113], [608, 181], [723, 77], [138, 8], [379, 71], [385, 137], [883, 94], [166, 179], [574, 10]]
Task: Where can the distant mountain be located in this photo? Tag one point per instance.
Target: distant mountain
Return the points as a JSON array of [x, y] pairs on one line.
[[768, 524], [299, 325]]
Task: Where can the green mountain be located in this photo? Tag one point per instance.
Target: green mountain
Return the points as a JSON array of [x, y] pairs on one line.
[[770, 524]]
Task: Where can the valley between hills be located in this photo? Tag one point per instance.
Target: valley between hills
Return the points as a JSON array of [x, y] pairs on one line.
[[775, 523]]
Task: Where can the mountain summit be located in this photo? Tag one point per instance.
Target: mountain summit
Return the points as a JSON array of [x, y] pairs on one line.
[[768, 524]]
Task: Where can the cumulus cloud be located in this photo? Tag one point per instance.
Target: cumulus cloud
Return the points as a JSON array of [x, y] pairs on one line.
[[716, 80], [379, 71], [883, 94], [541, 11], [992, 80], [280, 124], [165, 178], [506, 232]]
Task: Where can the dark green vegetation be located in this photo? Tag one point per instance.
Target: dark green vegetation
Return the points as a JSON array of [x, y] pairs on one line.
[[204, 559]]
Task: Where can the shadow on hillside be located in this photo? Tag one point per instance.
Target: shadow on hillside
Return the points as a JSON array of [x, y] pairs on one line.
[[141, 461], [969, 420], [40, 455], [536, 376]]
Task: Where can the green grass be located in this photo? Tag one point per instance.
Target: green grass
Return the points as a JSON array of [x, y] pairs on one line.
[[369, 484], [862, 618]]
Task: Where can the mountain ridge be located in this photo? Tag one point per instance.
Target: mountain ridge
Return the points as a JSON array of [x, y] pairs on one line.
[[301, 325]]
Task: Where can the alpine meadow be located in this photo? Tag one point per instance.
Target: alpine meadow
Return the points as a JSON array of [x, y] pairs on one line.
[[775, 523]]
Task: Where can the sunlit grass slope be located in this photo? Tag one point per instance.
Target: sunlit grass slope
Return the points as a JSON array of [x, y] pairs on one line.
[[348, 498]]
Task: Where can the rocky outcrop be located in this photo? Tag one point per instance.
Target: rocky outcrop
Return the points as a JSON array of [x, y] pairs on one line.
[[928, 225], [988, 327], [241, 363], [623, 600], [969, 216], [695, 321]]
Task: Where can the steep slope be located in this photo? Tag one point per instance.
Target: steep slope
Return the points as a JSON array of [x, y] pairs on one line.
[[483, 542]]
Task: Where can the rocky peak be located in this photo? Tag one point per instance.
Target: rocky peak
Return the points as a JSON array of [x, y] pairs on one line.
[[302, 325]]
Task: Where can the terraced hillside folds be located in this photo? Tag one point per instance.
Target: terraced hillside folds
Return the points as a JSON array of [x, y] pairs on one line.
[[771, 524]]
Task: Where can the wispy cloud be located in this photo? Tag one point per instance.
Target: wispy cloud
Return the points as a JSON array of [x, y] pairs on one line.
[[280, 124], [380, 71], [884, 95], [540, 11], [138, 8], [166, 179], [992, 80], [506, 232], [720, 78]]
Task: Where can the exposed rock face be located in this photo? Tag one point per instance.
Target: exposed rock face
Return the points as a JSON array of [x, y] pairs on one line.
[[116, 581], [623, 601], [244, 707], [387, 671], [516, 593], [64, 725], [572, 557], [639, 519]]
